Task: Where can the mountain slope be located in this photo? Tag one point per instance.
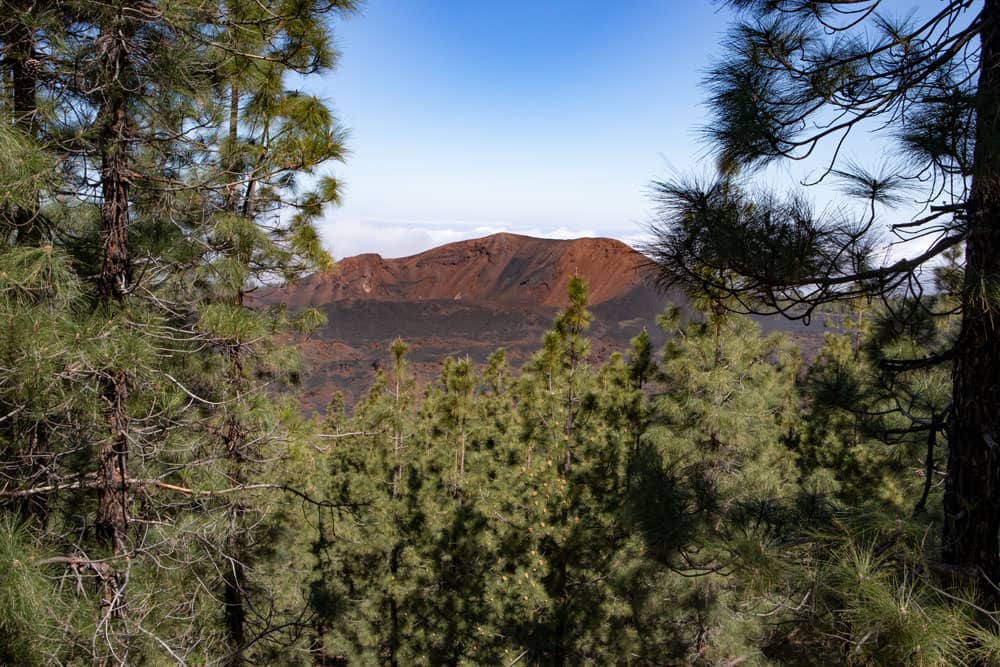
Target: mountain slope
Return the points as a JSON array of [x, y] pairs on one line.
[[505, 269], [465, 298]]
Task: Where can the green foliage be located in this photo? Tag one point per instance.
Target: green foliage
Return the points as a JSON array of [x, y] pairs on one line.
[[163, 501], [30, 602], [729, 404], [700, 506], [149, 162], [564, 516]]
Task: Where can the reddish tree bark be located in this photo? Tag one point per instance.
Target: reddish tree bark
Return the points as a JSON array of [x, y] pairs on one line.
[[114, 137]]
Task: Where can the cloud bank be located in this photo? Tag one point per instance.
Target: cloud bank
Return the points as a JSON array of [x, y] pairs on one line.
[[400, 238]]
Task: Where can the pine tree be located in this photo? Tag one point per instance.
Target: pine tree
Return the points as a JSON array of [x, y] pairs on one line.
[[364, 595], [720, 427], [130, 262], [802, 75], [563, 541]]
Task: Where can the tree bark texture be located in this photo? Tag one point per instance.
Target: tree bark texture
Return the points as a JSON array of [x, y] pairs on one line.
[[113, 498], [114, 137], [114, 130], [972, 489]]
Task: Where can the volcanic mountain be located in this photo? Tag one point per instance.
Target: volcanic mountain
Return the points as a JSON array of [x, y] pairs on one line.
[[465, 299]]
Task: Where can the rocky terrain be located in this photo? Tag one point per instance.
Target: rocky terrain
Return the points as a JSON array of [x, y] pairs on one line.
[[469, 298]]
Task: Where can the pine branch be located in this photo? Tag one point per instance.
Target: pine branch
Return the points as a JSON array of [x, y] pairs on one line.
[[205, 493], [914, 364]]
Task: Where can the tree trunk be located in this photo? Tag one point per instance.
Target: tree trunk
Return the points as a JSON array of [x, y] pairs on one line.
[[24, 66], [235, 578], [235, 440], [233, 172], [22, 58], [114, 138], [234, 585], [972, 489], [114, 135], [112, 520]]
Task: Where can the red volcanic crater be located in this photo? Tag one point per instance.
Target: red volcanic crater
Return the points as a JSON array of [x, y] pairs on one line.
[[503, 269], [465, 299]]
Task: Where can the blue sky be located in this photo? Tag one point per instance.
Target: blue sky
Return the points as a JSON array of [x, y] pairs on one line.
[[544, 117]]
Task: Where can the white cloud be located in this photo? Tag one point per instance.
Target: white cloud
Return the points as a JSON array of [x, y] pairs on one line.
[[345, 239], [399, 238]]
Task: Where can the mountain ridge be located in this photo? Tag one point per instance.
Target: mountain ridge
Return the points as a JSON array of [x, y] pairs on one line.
[[508, 269], [468, 298]]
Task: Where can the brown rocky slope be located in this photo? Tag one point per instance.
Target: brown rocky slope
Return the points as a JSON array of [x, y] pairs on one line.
[[466, 298]]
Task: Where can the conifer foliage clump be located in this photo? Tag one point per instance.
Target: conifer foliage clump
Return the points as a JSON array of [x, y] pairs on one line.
[[153, 160]]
